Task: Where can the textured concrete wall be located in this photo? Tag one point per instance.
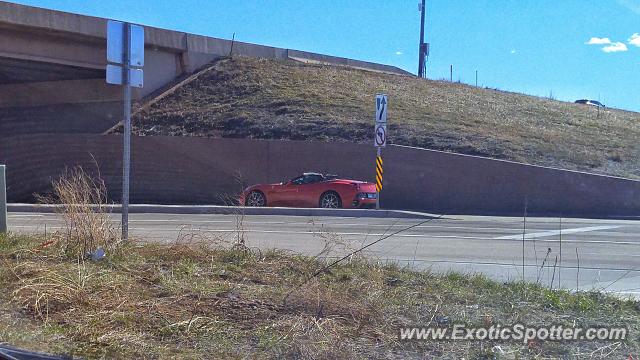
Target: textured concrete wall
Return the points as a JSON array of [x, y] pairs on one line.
[[203, 171]]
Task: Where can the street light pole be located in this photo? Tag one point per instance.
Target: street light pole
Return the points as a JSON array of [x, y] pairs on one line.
[[422, 46]]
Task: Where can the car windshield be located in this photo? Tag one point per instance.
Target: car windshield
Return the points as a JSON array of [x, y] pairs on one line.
[[307, 179], [312, 178]]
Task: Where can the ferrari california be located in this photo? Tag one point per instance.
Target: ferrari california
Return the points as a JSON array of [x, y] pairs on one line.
[[312, 190]]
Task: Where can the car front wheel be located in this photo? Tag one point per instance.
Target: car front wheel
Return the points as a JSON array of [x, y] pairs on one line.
[[256, 198], [330, 200]]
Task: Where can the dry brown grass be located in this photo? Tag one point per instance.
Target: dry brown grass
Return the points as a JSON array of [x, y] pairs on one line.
[[187, 300], [82, 201], [245, 97]]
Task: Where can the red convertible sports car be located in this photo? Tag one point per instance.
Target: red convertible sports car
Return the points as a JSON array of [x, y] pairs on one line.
[[312, 190]]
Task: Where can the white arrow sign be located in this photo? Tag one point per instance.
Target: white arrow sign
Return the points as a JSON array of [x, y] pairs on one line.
[[381, 108]]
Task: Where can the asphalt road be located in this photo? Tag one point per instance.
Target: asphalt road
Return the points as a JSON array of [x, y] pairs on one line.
[[596, 254]]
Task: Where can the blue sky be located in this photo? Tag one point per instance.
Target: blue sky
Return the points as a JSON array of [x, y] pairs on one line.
[[534, 47]]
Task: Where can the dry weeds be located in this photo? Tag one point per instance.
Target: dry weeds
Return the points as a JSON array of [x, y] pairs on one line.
[[82, 201]]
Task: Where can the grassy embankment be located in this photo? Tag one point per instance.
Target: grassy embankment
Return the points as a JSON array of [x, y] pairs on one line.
[[268, 99]]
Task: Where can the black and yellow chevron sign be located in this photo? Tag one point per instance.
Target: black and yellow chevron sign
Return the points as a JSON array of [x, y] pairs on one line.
[[379, 172]]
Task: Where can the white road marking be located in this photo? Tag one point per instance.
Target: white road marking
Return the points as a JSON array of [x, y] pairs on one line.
[[320, 224], [424, 236], [555, 232], [515, 265]]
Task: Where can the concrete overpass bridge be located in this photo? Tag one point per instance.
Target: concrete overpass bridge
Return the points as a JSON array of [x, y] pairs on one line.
[[52, 68]]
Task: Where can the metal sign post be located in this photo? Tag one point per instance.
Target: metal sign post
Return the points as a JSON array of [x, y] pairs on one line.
[[3, 200], [125, 53], [379, 172], [380, 140], [126, 154]]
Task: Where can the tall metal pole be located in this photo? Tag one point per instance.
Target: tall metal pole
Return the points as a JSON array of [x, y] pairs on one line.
[[378, 192], [126, 160], [421, 59]]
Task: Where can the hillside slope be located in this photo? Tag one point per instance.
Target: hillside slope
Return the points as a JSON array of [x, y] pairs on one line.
[[268, 99]]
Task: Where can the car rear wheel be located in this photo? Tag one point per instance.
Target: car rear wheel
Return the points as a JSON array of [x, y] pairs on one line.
[[330, 200], [256, 198]]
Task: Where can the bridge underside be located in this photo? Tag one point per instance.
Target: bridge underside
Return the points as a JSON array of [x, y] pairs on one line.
[[17, 71], [43, 97]]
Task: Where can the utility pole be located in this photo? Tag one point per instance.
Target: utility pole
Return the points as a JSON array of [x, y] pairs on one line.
[[423, 48]]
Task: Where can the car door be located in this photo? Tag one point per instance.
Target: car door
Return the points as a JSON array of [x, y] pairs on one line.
[[288, 193], [310, 190]]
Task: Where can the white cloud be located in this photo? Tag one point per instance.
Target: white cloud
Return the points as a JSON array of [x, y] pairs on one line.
[[513, 51], [615, 47], [399, 53], [598, 41], [634, 40]]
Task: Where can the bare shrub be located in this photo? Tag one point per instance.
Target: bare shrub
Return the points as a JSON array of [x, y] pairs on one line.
[[197, 240], [332, 243], [238, 210], [82, 204]]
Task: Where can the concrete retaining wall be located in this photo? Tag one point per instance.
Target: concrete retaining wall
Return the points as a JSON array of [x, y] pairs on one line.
[[176, 170]]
